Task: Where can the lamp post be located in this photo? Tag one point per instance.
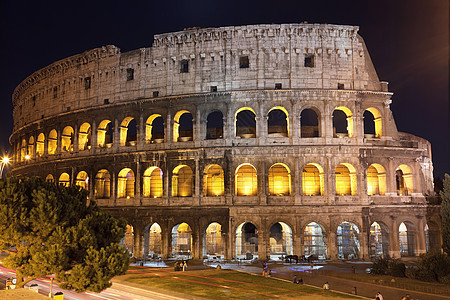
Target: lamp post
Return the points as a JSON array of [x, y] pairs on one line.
[[5, 161]]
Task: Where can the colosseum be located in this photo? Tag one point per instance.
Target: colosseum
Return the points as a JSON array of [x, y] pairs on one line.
[[240, 142]]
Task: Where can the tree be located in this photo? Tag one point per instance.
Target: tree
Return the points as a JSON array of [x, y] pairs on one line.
[[52, 229], [445, 214]]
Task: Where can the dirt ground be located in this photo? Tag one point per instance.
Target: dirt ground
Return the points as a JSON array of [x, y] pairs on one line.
[[22, 294]]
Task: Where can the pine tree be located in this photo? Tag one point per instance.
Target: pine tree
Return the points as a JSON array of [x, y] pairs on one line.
[[51, 229], [445, 214]]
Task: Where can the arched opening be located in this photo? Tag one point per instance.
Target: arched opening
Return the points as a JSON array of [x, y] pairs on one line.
[[432, 237], [183, 127], [103, 184], [213, 241], [246, 180], [280, 241], [125, 184], [82, 180], [213, 184], [182, 181], [128, 240], [278, 122], [345, 180], [406, 239], [245, 119], [84, 137], [376, 180], [40, 145], [153, 182], [315, 240], [404, 180], [152, 240], [214, 126], [128, 132], [154, 129], [279, 180], [372, 123], [64, 179], [31, 147], [67, 139], [347, 241], [246, 241], [378, 241], [342, 122], [105, 134], [182, 241], [309, 124], [23, 150], [50, 178], [313, 180]]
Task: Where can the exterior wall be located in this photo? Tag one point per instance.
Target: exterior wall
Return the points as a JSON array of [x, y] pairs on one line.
[[60, 95]]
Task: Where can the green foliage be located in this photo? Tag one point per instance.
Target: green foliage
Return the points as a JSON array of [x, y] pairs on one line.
[[445, 214], [431, 267], [388, 266], [56, 230]]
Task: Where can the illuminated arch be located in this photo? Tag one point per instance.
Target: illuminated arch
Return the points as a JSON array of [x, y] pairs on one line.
[[31, 146], [152, 240], [128, 240], [213, 181], [153, 132], [153, 182], [315, 240], [349, 122], [40, 145], [102, 184], [309, 123], [246, 183], [246, 241], [50, 178], [128, 132], [23, 150], [52, 142], [347, 241], [182, 240], [404, 180], [346, 181], [182, 128], [378, 122], [376, 180], [213, 240], [64, 179], [279, 180], [67, 139], [406, 239], [280, 241], [313, 181], [84, 137], [278, 121], [245, 123], [82, 180], [125, 183], [378, 240], [105, 134], [182, 181]]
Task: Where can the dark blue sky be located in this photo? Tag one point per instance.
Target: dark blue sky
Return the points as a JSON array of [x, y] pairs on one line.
[[408, 41]]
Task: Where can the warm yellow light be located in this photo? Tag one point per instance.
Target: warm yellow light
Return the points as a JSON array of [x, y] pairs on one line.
[[27, 156], [5, 160]]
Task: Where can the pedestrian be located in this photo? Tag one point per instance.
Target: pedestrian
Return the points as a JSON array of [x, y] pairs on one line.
[[300, 281], [294, 280], [326, 286], [184, 266], [378, 296], [270, 273]]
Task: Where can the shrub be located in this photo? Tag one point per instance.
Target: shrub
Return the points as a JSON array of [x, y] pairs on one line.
[[431, 267], [388, 266]]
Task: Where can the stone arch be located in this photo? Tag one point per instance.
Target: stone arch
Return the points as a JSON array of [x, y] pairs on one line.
[[214, 125], [245, 123], [432, 237], [182, 181], [347, 241], [246, 241], [31, 146], [372, 123], [404, 180], [346, 181], [376, 180], [64, 179], [313, 180], [102, 184], [153, 240], [40, 144], [342, 122], [128, 132], [125, 183], [213, 241], [154, 129], [52, 142], [82, 180], [105, 134], [278, 122], [279, 180], [67, 139], [128, 239], [50, 178], [314, 240], [183, 126], [406, 238], [246, 180], [182, 241], [85, 137], [378, 240], [23, 150], [153, 183], [213, 181], [280, 241], [309, 123]]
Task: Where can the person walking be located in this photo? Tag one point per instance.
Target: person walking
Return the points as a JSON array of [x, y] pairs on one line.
[[294, 280], [378, 296], [184, 266], [326, 286]]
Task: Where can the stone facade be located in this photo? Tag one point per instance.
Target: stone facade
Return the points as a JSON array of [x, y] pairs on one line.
[[62, 113]]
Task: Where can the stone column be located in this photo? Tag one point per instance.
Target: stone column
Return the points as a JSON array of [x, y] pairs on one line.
[[420, 240], [332, 251], [113, 186], [116, 138], [197, 193], [137, 178], [168, 132], [394, 244], [94, 136], [75, 139], [138, 241], [166, 241], [263, 249], [140, 132], [196, 241]]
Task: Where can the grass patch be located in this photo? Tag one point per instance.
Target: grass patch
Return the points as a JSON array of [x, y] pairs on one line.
[[223, 284]]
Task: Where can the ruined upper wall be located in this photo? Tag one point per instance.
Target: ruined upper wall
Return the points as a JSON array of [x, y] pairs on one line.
[[276, 55]]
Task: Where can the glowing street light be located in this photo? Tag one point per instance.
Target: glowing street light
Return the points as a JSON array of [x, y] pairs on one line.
[[5, 161], [27, 157]]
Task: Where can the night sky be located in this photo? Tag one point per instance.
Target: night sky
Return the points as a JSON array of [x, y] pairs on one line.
[[408, 41]]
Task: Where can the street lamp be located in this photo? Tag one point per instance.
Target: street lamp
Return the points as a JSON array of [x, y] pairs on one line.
[[5, 161]]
